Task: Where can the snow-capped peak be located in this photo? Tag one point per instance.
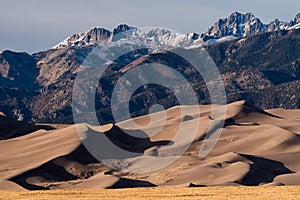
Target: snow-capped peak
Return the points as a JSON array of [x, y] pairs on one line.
[[245, 24], [146, 36], [93, 36], [237, 25]]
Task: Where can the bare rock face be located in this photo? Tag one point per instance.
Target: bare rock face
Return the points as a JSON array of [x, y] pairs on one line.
[[17, 70], [121, 28], [297, 19], [238, 25], [93, 36]]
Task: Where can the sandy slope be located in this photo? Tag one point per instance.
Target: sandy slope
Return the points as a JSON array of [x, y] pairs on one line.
[[255, 148]]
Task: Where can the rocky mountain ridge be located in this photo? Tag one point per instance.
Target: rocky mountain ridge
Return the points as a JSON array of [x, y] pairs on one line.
[[262, 68], [237, 25]]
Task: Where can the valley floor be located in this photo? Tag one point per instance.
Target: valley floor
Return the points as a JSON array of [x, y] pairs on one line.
[[229, 192]]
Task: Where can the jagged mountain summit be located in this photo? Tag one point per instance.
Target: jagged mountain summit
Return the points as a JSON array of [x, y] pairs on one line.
[[237, 25], [241, 25], [146, 36]]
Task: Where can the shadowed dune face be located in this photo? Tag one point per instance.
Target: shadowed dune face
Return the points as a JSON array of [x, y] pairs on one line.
[[135, 141], [256, 147], [10, 128]]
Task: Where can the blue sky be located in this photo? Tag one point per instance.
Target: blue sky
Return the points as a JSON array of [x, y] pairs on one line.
[[36, 25]]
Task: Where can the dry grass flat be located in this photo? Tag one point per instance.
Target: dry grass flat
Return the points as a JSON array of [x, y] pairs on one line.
[[256, 193]]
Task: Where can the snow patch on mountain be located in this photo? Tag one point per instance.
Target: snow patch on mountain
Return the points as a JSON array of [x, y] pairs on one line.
[[223, 39], [297, 26]]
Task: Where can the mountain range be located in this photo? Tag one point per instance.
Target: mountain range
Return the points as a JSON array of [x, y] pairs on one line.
[[237, 25], [258, 62]]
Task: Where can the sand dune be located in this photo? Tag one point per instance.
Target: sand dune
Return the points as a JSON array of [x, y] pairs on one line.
[[256, 147], [10, 128]]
